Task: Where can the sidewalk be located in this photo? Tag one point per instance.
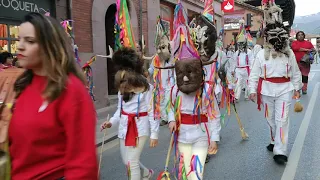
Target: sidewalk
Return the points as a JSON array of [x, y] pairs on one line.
[[112, 132]]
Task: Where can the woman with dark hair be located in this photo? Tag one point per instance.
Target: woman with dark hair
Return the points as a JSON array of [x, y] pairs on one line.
[[301, 48], [52, 130], [6, 59]]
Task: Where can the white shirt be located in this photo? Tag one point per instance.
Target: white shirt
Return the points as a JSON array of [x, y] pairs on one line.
[[221, 58], [256, 49], [241, 60], [144, 124], [191, 133], [167, 75], [279, 67]]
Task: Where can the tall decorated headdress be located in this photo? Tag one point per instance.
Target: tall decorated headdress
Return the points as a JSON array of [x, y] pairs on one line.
[[123, 29], [129, 79], [183, 46], [162, 43], [241, 38], [276, 34], [160, 31], [208, 30], [184, 52]]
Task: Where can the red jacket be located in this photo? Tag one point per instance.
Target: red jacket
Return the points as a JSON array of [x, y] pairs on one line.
[[296, 45], [56, 141]]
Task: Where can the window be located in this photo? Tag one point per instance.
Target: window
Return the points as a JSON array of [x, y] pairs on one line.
[[9, 38]]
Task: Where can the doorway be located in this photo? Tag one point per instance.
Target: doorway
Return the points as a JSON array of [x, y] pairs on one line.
[[110, 37]]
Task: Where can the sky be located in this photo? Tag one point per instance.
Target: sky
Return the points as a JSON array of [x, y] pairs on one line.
[[307, 7]]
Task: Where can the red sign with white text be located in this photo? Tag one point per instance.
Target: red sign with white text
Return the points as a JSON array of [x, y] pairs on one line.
[[227, 6]]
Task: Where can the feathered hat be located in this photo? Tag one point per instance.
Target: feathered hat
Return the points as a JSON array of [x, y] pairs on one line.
[[124, 36]]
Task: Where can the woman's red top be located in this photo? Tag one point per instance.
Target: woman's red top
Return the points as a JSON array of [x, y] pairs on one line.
[[56, 141], [296, 45]]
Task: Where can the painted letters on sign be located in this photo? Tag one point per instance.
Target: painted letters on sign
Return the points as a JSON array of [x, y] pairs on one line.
[[227, 6], [16, 9]]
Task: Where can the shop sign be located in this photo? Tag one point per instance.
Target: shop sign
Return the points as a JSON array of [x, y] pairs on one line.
[[17, 9], [227, 6], [232, 21]]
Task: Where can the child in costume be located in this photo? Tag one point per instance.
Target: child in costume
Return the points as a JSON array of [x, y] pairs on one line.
[[194, 115], [242, 61], [135, 112], [274, 79]]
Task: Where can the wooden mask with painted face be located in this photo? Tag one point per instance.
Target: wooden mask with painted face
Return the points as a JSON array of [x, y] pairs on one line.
[[189, 75]]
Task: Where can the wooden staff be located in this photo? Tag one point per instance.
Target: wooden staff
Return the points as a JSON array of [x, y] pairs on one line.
[[101, 150]]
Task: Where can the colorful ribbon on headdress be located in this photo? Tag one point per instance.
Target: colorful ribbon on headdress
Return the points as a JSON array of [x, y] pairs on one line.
[[160, 30], [67, 27], [89, 75], [208, 11], [183, 44], [249, 39], [123, 30]]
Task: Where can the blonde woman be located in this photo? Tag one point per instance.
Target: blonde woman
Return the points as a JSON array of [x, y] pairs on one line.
[[52, 130]]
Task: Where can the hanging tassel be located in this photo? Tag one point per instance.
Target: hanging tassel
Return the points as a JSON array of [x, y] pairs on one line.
[[298, 107]]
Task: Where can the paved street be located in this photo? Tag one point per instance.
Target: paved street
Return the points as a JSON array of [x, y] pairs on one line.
[[245, 160]]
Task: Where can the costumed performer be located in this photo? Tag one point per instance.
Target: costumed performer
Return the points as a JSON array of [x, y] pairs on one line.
[[163, 79], [194, 115], [242, 61], [274, 79], [135, 112]]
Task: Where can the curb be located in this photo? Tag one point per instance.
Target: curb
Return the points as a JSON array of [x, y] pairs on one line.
[[107, 140]]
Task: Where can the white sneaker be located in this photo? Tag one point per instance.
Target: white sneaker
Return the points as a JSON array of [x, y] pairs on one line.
[[150, 175]]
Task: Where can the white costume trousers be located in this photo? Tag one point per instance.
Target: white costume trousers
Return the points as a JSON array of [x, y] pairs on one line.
[[200, 149], [277, 115], [131, 156], [242, 82]]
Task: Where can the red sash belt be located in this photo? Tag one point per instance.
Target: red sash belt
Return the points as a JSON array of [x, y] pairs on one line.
[[273, 80], [193, 119], [132, 131]]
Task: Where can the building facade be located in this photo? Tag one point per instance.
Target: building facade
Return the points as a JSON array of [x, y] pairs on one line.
[[93, 26], [12, 13], [231, 21]]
